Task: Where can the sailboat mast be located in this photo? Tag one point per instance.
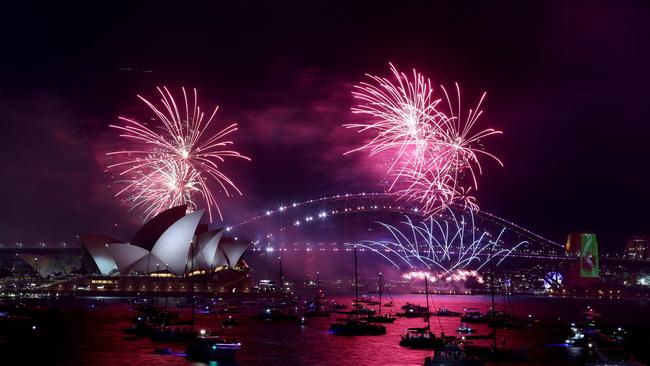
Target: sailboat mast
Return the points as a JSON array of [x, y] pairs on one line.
[[356, 283], [380, 304], [494, 326], [426, 293], [192, 283], [317, 299], [281, 275]]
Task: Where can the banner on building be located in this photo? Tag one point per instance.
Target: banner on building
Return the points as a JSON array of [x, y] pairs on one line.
[[589, 256]]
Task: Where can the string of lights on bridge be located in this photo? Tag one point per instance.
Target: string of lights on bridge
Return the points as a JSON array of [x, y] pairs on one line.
[[411, 210]]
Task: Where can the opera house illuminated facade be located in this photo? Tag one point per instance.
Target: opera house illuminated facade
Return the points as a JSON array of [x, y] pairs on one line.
[[173, 246]]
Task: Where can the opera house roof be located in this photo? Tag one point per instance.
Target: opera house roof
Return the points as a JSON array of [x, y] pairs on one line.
[[172, 241]]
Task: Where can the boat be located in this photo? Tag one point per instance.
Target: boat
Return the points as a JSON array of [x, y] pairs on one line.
[[446, 312], [337, 306], [315, 307], [451, 355], [464, 328], [145, 323], [413, 311], [389, 304], [275, 312], [301, 320], [472, 315], [356, 327], [386, 318], [419, 338], [493, 353], [359, 309], [368, 300], [212, 348], [353, 325], [469, 336], [171, 334], [140, 327]]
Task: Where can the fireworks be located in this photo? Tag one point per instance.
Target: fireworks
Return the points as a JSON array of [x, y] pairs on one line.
[[435, 154], [404, 118], [442, 245], [459, 275], [173, 162]]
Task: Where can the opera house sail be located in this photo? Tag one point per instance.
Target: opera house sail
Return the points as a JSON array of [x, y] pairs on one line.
[[172, 244]]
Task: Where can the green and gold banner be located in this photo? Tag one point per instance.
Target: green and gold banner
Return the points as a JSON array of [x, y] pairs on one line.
[[589, 256]]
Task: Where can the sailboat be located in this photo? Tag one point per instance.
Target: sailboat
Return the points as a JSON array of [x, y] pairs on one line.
[[179, 332], [203, 346], [421, 337], [353, 325], [386, 318], [494, 353], [315, 307]]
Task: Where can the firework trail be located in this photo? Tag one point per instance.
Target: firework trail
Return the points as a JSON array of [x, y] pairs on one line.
[[442, 245], [174, 161], [435, 154]]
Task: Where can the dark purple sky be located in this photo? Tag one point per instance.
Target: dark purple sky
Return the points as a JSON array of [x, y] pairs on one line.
[[567, 83]]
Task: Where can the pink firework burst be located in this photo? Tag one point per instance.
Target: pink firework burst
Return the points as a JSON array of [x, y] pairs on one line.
[[174, 161], [403, 116], [435, 151]]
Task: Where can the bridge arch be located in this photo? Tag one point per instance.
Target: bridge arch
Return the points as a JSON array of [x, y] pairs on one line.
[[299, 214]]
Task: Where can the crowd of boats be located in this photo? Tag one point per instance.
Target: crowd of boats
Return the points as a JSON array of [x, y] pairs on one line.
[[365, 316], [169, 326]]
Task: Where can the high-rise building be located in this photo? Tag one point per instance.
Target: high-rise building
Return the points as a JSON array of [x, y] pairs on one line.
[[637, 247]]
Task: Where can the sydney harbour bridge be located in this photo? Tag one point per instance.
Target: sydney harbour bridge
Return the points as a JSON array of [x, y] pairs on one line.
[[395, 232]]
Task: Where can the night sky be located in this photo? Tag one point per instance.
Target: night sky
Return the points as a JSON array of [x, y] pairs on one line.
[[567, 82]]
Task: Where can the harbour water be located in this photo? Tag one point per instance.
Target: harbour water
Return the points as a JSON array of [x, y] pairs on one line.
[[93, 335]]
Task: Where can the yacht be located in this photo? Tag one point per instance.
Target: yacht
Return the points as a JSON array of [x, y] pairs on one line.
[[315, 307], [368, 300], [464, 328], [472, 315], [446, 312], [211, 348], [359, 310], [170, 334], [353, 325], [356, 327], [420, 338], [386, 318], [451, 355], [337, 306], [275, 312], [413, 311]]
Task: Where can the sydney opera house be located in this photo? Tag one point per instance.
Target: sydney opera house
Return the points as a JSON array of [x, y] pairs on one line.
[[169, 253]]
